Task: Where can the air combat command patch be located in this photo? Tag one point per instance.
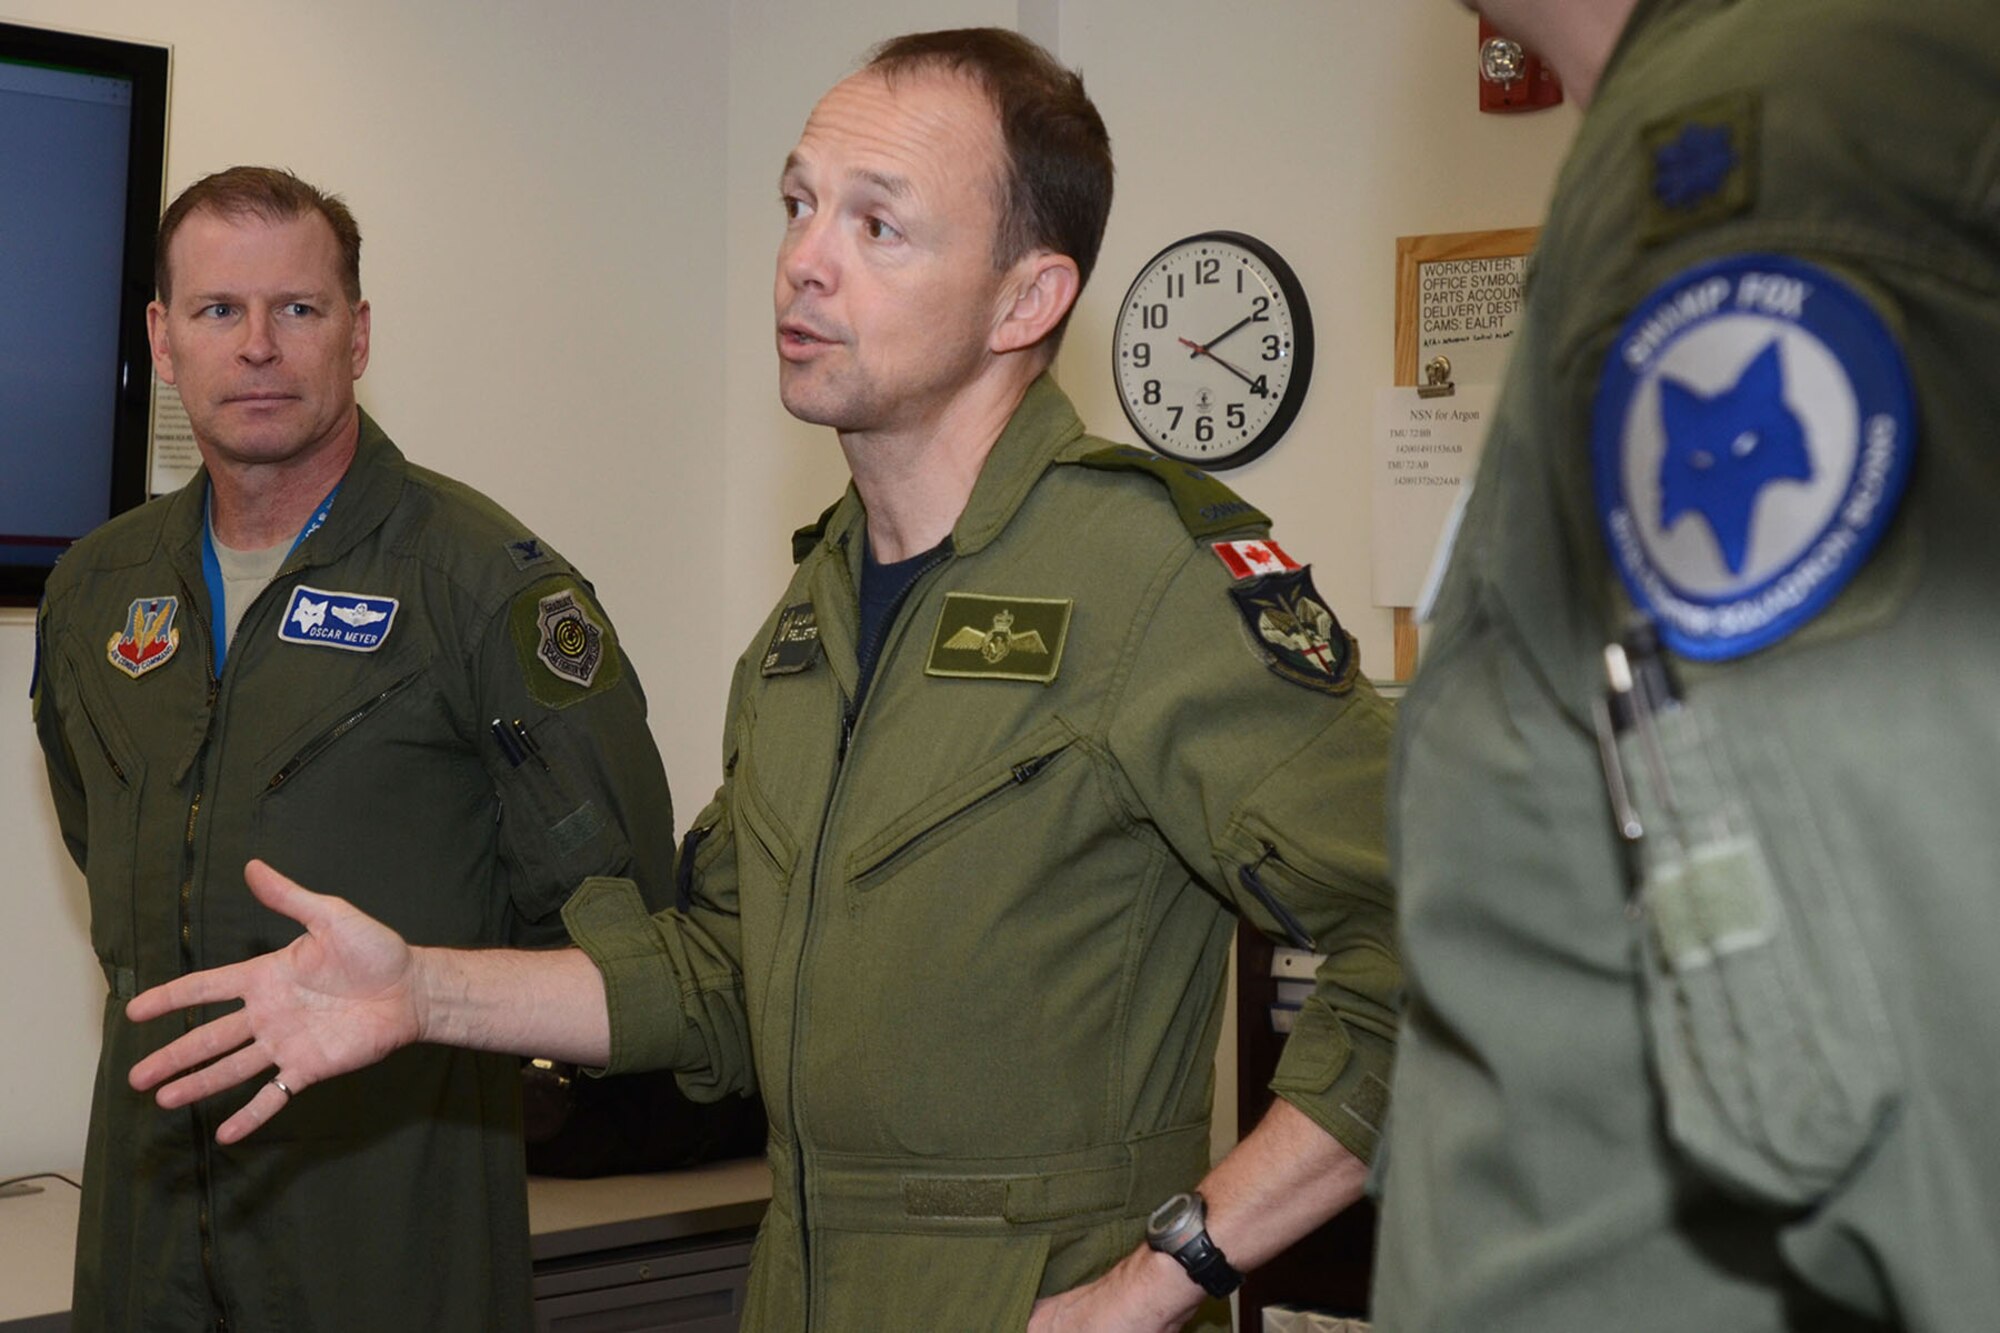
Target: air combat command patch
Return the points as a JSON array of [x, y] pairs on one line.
[[1295, 633], [149, 638], [1751, 439], [567, 648]]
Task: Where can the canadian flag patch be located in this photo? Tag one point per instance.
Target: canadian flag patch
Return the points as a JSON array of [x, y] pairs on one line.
[[1247, 560]]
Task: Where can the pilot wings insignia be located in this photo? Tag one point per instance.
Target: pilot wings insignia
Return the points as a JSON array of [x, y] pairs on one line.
[[994, 644], [358, 616], [1023, 641]]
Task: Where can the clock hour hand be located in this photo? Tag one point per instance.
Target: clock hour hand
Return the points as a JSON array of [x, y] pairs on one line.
[[1201, 350], [1203, 347]]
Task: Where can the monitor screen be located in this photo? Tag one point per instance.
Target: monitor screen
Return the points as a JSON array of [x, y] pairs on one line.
[[82, 142]]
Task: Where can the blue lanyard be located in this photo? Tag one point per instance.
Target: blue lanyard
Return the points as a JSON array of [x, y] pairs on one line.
[[211, 570]]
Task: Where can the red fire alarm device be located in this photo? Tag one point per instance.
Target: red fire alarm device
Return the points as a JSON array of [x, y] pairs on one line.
[[1511, 78]]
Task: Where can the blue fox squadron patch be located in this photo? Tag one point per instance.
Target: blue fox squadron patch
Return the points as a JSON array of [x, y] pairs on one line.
[[1751, 439]]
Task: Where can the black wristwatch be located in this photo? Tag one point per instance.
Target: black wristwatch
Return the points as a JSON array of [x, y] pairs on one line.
[[1179, 1227]]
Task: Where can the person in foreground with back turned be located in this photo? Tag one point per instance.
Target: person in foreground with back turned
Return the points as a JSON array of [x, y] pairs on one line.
[[1692, 817]]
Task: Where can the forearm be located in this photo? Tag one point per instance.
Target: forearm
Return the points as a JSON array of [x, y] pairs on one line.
[[524, 1002], [1276, 1186], [1272, 1189]]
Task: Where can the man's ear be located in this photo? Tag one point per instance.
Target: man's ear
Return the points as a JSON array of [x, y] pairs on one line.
[[1043, 287], [156, 340]]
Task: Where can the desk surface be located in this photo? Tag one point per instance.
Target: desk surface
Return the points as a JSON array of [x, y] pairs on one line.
[[38, 1231], [37, 1250]]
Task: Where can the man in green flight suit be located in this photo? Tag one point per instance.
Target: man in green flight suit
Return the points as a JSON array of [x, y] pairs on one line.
[[1035, 720], [319, 654], [1692, 816]]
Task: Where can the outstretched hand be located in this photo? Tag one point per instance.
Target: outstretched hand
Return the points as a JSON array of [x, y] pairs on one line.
[[339, 997]]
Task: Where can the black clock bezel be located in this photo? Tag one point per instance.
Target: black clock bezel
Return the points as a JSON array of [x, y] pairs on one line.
[[1294, 294]]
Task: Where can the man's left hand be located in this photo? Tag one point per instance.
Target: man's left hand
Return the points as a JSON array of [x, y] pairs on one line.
[[1145, 1293]]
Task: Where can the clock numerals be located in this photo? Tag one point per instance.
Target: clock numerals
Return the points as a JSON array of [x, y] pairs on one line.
[[1240, 314]]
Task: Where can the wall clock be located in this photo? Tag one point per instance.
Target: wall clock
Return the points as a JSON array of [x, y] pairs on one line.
[[1212, 351]]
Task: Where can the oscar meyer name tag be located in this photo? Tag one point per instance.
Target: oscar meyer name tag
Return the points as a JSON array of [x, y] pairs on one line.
[[999, 638]]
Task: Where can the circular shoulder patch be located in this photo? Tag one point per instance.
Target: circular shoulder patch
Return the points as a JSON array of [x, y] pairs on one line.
[[1751, 439]]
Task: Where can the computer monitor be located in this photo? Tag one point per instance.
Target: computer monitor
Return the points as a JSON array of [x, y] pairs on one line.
[[83, 125]]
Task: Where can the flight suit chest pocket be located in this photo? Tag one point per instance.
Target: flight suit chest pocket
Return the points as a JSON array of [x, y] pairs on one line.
[[967, 814], [767, 852], [1769, 1037]]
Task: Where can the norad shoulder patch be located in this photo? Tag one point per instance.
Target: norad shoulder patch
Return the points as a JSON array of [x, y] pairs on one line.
[[1206, 506]]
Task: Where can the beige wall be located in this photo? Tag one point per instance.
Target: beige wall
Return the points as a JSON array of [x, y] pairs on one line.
[[571, 211], [539, 187]]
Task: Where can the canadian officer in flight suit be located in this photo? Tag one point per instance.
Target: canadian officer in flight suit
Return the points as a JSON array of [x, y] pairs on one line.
[[1035, 720], [319, 654], [1693, 821]]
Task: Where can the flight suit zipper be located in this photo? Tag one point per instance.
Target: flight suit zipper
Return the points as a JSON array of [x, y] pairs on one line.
[[103, 746], [1018, 775], [198, 1120], [313, 748], [850, 716], [1284, 916]]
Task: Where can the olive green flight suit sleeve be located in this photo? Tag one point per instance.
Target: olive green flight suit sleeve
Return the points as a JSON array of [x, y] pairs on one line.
[[1273, 793], [65, 782], [588, 795], [673, 980]]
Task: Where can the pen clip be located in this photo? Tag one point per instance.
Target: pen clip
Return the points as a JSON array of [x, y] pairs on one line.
[[509, 747]]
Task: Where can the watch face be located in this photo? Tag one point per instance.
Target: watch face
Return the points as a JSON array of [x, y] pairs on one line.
[[1213, 349]]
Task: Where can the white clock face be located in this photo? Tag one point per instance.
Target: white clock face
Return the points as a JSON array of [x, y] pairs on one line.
[[1213, 350]]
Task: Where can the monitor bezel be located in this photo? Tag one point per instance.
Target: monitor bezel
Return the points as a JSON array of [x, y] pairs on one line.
[[148, 66]]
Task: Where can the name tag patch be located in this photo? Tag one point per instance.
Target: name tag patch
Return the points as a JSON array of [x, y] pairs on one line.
[[353, 621], [794, 644], [1752, 437], [999, 638]]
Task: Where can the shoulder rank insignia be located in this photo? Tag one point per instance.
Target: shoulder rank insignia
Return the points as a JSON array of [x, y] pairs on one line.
[[149, 637], [1750, 441], [527, 551], [1701, 165], [567, 648], [1207, 507], [1295, 632], [354, 621], [794, 643], [999, 638]]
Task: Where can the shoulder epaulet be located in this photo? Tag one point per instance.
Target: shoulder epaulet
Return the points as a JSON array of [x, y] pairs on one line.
[[1206, 506], [808, 536]]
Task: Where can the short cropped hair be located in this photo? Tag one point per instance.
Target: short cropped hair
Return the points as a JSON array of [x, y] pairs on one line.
[[1057, 191], [270, 193]]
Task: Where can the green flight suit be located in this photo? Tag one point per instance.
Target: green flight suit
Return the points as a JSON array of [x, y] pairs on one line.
[[971, 943], [394, 1198], [1599, 1127]]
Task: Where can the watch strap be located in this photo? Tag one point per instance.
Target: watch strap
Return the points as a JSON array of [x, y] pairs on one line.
[[1207, 1266]]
